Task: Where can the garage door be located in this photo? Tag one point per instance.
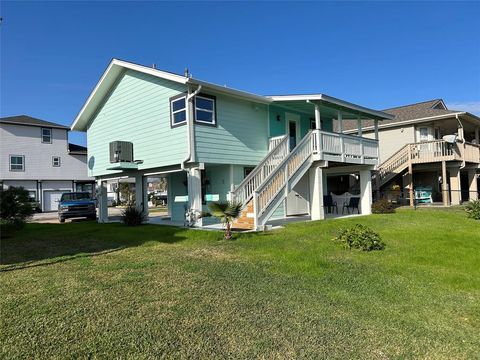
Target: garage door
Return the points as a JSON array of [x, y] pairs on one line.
[[50, 200]]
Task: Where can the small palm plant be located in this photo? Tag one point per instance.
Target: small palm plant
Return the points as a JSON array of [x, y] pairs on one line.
[[227, 212]]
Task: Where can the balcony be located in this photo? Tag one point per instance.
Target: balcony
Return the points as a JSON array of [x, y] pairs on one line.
[[344, 148]]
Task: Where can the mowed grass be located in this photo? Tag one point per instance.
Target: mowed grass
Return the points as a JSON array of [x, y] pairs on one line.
[[84, 290]]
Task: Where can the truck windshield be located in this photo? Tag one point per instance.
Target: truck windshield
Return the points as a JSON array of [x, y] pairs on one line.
[[75, 196]]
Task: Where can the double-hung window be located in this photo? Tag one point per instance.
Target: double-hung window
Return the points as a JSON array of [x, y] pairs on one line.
[[56, 161], [46, 135], [17, 163], [178, 110], [205, 110]]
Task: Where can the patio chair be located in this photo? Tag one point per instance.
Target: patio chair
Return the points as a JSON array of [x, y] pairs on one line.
[[352, 204], [330, 204]]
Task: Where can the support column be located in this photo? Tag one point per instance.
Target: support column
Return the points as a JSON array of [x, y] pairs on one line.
[[410, 177], [366, 191], [455, 192], [477, 135], [102, 202], [445, 195], [318, 123], [375, 126], [340, 122], [141, 193], [472, 185], [316, 193], [195, 192]]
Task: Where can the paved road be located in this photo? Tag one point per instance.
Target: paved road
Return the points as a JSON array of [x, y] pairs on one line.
[[113, 213]]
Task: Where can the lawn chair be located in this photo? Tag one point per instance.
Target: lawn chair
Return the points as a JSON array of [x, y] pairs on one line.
[[352, 204], [329, 203]]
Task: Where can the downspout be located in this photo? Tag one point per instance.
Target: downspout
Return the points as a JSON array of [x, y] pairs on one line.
[[463, 141], [191, 139]]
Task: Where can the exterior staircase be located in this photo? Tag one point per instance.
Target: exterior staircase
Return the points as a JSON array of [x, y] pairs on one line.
[[263, 190], [422, 153]]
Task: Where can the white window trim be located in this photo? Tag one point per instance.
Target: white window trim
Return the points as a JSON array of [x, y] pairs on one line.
[[59, 161], [51, 135], [10, 162], [214, 119], [172, 113]]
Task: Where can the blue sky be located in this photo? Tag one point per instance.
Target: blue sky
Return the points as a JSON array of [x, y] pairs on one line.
[[377, 54]]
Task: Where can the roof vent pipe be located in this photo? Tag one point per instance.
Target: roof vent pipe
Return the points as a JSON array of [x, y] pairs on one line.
[[154, 66], [186, 73]]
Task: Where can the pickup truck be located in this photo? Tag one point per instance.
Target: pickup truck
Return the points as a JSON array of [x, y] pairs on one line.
[[76, 204]]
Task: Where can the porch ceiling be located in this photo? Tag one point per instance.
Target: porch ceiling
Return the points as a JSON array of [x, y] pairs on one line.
[[327, 110]]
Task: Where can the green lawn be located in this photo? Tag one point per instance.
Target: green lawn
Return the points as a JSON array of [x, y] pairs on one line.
[[107, 291]]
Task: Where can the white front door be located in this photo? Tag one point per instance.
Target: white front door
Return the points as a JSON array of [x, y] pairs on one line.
[[51, 199], [297, 199]]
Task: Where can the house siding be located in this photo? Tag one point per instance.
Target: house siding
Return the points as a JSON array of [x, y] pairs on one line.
[[240, 137], [137, 110], [391, 140], [26, 140], [279, 127]]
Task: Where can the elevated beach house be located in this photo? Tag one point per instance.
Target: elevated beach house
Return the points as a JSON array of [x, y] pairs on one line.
[[274, 154], [428, 149]]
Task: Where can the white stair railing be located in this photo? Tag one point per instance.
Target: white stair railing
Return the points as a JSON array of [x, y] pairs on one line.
[[244, 191], [279, 177]]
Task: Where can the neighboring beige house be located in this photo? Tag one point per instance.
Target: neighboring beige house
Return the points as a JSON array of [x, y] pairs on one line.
[[427, 148]]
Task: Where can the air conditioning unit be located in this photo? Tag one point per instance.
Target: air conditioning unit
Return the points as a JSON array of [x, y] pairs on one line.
[[121, 151]]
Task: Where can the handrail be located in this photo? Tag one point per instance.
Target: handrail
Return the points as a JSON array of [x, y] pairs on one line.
[[244, 191], [277, 179]]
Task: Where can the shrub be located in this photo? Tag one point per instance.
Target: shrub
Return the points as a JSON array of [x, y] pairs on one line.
[[473, 209], [15, 206], [360, 237], [383, 206], [132, 216]]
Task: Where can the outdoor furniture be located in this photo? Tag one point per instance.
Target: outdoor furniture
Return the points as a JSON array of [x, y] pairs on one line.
[[352, 204], [329, 203]]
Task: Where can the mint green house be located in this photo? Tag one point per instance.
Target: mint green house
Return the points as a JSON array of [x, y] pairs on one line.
[[280, 156]]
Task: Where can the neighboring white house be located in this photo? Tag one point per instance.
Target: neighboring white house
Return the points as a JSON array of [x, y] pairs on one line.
[[36, 155]]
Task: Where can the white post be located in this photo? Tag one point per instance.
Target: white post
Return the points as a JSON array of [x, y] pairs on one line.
[[145, 196], [359, 126], [194, 182], [318, 123], [102, 201], [375, 125], [477, 135], [366, 192], [342, 142], [340, 122], [316, 193], [139, 192]]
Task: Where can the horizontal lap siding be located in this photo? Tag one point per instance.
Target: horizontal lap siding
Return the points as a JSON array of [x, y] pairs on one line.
[[138, 110], [241, 136]]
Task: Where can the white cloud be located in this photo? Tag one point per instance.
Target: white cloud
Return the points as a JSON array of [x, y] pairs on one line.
[[469, 106]]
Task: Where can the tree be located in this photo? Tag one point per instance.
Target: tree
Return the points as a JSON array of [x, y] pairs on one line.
[[15, 206], [227, 212]]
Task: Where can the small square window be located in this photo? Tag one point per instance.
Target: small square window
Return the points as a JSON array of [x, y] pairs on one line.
[[56, 161], [46, 135], [205, 110], [17, 163], [178, 111]]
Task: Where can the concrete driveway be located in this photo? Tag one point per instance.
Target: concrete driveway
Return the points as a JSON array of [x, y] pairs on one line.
[[113, 213]]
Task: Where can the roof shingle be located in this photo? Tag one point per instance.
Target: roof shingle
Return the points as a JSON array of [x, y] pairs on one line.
[[31, 121]]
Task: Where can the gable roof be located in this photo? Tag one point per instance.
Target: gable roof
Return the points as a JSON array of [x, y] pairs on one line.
[[117, 67], [407, 113], [31, 121]]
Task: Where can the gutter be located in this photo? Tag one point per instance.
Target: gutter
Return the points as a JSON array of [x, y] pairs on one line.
[[191, 137]]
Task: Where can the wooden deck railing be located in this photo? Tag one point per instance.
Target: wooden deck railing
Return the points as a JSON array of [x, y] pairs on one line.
[[426, 152]]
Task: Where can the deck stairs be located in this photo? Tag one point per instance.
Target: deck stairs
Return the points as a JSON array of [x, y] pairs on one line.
[[264, 189], [422, 153]]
